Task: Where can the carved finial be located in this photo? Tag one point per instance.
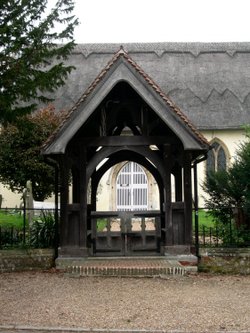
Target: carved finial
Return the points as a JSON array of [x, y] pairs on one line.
[[121, 51]]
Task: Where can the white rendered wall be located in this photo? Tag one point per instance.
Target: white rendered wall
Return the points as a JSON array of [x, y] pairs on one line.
[[10, 199], [14, 199], [231, 139]]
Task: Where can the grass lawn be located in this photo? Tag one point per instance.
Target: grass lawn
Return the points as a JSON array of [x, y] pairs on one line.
[[11, 219], [204, 219]]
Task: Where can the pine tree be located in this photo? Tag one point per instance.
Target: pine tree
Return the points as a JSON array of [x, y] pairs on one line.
[[31, 56]]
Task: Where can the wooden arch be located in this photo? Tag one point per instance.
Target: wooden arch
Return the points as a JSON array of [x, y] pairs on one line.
[[121, 156]]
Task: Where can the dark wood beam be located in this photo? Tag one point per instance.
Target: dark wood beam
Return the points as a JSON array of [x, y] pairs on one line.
[[116, 141]]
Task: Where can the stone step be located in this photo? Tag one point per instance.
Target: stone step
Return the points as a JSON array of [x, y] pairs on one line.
[[124, 272], [125, 268]]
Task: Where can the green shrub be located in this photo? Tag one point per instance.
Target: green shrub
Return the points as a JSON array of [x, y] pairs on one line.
[[42, 231], [231, 235], [10, 237]]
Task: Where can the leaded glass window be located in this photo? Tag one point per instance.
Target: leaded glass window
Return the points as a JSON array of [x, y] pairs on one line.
[[216, 158]]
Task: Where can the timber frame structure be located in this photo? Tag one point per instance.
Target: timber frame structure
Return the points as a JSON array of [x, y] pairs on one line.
[[125, 116]]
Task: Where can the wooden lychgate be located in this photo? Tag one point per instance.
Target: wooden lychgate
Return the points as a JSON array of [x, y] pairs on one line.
[[124, 117]]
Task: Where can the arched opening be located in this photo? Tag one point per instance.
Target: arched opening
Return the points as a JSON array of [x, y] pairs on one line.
[[108, 196], [131, 188], [128, 227]]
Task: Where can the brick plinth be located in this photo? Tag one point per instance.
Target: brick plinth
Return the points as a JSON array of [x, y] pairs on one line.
[[133, 267]]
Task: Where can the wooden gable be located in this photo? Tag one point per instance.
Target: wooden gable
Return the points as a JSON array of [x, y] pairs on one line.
[[122, 74]]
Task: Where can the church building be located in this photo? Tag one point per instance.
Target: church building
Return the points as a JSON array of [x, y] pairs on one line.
[[143, 120]]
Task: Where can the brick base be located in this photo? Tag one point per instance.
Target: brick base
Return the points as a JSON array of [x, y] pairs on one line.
[[143, 267]]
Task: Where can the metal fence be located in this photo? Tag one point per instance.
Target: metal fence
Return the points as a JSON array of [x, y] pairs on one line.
[[22, 227], [223, 237], [209, 233], [38, 228]]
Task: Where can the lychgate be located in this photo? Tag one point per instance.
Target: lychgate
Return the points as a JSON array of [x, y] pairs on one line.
[[124, 116]]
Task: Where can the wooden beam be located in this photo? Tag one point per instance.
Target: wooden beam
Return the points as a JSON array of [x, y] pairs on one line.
[[116, 141]]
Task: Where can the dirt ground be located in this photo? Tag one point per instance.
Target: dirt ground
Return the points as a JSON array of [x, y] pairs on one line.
[[199, 303]]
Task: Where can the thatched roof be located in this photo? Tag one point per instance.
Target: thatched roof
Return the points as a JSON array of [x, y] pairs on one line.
[[209, 82]]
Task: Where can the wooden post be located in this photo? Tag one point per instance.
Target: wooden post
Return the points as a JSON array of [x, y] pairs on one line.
[[188, 197], [92, 206], [56, 215], [94, 186], [167, 200], [76, 185], [197, 250], [83, 203], [178, 184], [64, 199]]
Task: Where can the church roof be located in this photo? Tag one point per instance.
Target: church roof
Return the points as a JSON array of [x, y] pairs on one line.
[[209, 82], [177, 120]]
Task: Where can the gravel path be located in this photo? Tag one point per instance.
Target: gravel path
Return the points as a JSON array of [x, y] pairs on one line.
[[200, 303]]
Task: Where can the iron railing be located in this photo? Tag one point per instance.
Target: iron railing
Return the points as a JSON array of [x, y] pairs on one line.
[[22, 227], [34, 228], [223, 237], [212, 234]]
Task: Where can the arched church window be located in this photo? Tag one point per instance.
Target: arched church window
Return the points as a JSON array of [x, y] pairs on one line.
[[217, 157], [132, 188]]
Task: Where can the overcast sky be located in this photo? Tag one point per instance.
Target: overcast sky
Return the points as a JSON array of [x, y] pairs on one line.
[[118, 21]]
